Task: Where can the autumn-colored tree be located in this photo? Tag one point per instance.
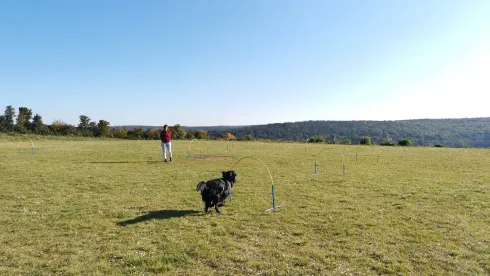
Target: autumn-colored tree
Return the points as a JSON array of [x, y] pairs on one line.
[[230, 136], [152, 134], [201, 134]]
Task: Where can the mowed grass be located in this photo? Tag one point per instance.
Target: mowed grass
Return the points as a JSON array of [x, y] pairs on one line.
[[97, 208]]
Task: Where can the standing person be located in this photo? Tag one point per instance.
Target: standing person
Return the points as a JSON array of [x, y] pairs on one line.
[[166, 137]]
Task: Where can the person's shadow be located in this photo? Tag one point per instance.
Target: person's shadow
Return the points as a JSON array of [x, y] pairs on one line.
[[162, 214]]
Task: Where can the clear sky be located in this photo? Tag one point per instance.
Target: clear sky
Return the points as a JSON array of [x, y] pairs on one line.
[[238, 62]]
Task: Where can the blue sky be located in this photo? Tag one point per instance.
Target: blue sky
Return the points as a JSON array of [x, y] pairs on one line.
[[222, 62]]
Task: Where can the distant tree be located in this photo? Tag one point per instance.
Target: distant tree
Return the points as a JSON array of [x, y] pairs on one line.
[[342, 140], [465, 145], [190, 134], [2, 123], [221, 136], [178, 133], [59, 127], [230, 136], [137, 133], [387, 142], [155, 134], [56, 127], [318, 139], [152, 134], [37, 125], [84, 126], [366, 140], [201, 134], [93, 129], [486, 138], [405, 142], [121, 133], [9, 118], [248, 137], [23, 119], [103, 128]]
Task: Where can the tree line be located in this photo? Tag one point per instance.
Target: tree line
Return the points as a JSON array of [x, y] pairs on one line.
[[474, 132], [23, 122]]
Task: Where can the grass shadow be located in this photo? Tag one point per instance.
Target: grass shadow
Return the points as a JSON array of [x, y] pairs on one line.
[[162, 214]]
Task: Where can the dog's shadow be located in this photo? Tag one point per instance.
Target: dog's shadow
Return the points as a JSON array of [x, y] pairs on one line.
[[162, 214]]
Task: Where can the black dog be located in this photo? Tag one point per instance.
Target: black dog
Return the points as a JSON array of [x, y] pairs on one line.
[[214, 192]]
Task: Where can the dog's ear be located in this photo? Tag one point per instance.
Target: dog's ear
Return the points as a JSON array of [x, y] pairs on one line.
[[201, 186], [223, 172]]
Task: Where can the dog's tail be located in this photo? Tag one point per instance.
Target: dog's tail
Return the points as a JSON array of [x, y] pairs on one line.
[[201, 186]]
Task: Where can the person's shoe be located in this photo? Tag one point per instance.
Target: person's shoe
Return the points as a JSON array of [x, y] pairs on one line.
[[165, 161], [170, 159]]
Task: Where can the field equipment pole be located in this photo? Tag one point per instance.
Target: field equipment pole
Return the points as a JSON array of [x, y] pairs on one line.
[[32, 147], [316, 168]]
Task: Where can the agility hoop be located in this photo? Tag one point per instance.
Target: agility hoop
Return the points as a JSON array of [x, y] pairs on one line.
[[274, 206]]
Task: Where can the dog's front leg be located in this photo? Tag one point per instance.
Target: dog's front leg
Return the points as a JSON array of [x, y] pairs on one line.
[[206, 209], [217, 209]]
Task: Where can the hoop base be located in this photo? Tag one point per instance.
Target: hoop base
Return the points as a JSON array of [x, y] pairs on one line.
[[273, 209]]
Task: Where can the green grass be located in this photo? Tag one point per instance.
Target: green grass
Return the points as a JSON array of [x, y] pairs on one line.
[[95, 208]]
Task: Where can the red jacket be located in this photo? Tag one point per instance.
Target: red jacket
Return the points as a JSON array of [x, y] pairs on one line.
[[166, 136]]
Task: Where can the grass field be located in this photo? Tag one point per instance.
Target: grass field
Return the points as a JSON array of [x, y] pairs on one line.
[[98, 208]]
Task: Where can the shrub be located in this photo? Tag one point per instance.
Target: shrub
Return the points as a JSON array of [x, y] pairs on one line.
[[366, 140], [341, 140], [316, 139], [387, 142], [201, 134], [249, 137], [121, 133], [405, 142], [464, 145], [438, 146]]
